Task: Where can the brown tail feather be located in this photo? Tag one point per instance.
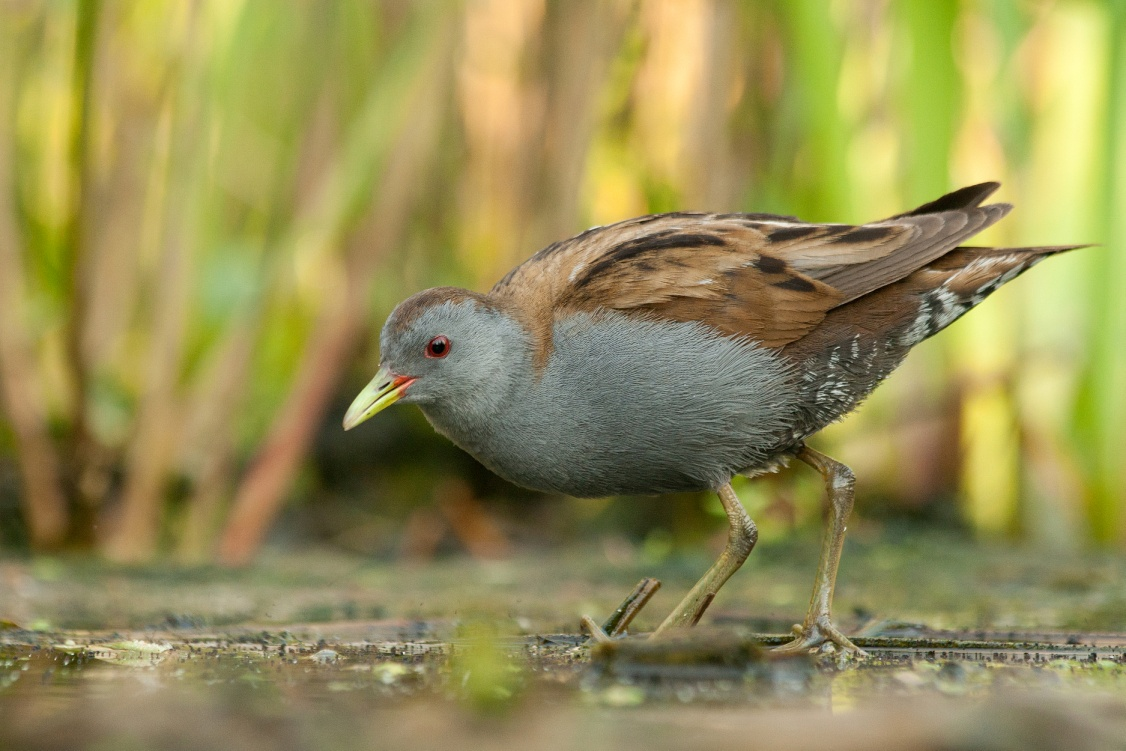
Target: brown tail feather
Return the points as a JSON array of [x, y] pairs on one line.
[[861, 342], [965, 254], [950, 286], [952, 283]]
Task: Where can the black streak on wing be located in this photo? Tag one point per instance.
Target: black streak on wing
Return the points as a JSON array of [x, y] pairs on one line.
[[796, 284], [770, 265], [792, 233], [662, 240]]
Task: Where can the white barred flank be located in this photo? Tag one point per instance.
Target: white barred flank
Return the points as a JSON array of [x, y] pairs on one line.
[[848, 372], [937, 310], [845, 373], [946, 303]]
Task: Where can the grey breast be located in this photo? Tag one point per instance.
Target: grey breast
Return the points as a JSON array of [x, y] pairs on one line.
[[628, 405]]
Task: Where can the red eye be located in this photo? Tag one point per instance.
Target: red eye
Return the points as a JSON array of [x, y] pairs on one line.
[[438, 347]]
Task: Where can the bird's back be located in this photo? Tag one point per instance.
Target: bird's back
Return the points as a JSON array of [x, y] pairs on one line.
[[842, 303], [669, 352]]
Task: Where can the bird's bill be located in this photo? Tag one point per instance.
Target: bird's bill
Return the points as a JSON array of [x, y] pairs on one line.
[[383, 391]]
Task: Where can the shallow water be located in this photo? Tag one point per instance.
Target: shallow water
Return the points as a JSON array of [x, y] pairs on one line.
[[464, 654], [181, 690]]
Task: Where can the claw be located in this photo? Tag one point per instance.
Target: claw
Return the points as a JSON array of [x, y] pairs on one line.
[[813, 634]]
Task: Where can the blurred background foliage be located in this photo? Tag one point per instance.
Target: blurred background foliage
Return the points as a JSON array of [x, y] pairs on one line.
[[207, 209]]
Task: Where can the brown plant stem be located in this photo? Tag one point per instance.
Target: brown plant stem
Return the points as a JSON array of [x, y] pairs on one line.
[[470, 522], [157, 430], [84, 453], [262, 491], [209, 435]]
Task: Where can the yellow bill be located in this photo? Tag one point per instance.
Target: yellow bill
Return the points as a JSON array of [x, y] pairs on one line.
[[383, 391]]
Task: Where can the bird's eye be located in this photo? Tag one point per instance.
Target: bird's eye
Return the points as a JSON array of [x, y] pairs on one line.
[[438, 347]]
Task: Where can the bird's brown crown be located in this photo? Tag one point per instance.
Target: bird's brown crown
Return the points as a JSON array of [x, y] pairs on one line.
[[411, 308]]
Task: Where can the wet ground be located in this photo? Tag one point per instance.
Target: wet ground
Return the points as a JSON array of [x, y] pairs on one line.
[[972, 647]]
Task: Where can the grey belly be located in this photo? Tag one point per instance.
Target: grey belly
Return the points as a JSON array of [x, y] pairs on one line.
[[645, 407], [592, 459]]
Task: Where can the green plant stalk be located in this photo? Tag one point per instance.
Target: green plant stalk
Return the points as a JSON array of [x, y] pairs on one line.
[[43, 499], [817, 51], [1101, 406], [931, 97]]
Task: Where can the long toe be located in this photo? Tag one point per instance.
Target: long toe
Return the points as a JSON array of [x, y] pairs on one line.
[[814, 634]]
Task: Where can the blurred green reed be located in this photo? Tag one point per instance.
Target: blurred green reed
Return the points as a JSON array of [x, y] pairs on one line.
[[207, 208]]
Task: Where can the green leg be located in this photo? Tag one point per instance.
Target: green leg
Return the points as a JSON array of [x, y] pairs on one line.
[[818, 627], [740, 542]]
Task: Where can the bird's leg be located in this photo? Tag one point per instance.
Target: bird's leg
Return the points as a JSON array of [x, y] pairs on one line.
[[818, 627], [741, 540]]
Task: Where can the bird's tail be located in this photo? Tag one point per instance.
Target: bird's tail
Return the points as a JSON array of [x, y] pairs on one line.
[[953, 284]]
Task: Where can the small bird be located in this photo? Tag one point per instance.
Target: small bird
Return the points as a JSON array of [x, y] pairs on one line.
[[672, 352]]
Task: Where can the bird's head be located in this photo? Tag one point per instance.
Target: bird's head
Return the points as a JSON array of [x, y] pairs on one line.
[[445, 348]]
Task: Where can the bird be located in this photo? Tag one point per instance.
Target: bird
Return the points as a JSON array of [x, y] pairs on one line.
[[673, 352]]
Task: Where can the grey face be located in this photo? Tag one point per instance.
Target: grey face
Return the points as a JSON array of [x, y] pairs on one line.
[[444, 350], [458, 352]]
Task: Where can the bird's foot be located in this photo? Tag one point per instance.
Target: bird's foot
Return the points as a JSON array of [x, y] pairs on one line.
[[816, 632], [623, 616]]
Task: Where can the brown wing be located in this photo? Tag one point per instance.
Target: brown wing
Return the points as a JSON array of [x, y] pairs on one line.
[[770, 278]]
